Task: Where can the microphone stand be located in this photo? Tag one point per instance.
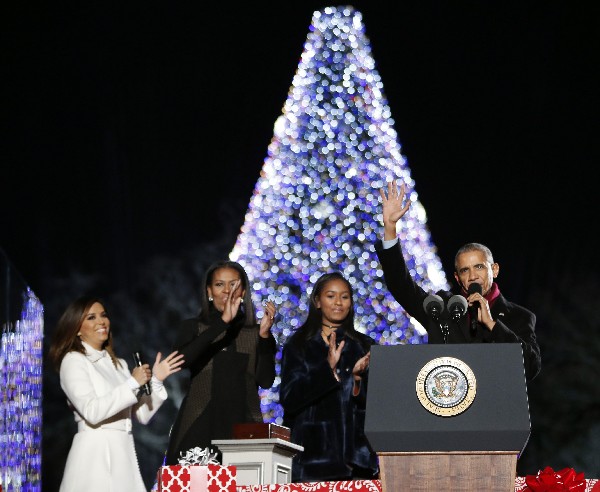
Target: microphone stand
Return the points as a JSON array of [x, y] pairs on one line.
[[445, 328], [434, 308]]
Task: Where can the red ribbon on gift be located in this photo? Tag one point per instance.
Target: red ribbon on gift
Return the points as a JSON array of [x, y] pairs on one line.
[[547, 480]]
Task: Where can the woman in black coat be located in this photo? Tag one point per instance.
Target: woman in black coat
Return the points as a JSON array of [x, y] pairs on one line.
[[324, 372], [229, 355]]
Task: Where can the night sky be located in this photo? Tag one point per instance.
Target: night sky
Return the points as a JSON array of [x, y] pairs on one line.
[[140, 129], [137, 130]]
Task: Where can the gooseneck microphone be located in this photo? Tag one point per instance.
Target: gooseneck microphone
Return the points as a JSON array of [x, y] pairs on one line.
[[457, 307], [474, 288], [433, 305], [138, 362]]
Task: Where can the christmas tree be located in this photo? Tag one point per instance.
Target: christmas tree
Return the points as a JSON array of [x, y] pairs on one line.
[[316, 206]]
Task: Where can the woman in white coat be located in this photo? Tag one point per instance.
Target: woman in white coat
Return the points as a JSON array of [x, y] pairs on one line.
[[103, 395]]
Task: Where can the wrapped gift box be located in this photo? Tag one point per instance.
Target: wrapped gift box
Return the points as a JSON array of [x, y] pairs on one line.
[[197, 478]]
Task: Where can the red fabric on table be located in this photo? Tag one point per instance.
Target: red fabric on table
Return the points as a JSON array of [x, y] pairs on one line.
[[592, 485], [350, 486]]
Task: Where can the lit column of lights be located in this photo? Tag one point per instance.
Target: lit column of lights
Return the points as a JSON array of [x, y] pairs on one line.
[[316, 205], [21, 405]]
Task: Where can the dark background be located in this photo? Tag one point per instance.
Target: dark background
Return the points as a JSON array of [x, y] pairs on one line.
[[135, 132]]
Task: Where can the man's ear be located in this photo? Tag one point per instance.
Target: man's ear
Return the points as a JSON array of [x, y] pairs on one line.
[[458, 282], [495, 269]]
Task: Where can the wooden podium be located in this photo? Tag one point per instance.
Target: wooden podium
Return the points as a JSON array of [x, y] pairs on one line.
[[447, 417]]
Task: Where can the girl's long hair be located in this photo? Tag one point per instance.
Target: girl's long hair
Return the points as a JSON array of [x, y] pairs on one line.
[[314, 320], [65, 337]]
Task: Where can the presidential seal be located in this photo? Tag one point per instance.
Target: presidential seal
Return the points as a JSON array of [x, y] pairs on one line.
[[446, 386]]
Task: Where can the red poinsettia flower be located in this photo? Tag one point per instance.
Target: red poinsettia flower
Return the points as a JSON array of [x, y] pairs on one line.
[[548, 480]]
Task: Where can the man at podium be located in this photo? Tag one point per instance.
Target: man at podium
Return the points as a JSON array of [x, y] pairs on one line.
[[476, 313]]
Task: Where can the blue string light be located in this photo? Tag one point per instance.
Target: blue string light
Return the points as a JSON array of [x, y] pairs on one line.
[[316, 204], [21, 405]]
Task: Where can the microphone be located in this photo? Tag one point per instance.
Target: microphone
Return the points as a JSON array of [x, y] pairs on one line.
[[474, 288], [457, 307], [433, 305], [138, 362]]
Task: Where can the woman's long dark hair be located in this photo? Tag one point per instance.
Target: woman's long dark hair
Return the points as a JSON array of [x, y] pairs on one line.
[[65, 337], [206, 306], [314, 320]]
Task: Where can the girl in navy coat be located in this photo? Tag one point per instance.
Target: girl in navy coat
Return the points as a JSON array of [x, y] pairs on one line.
[[324, 373]]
